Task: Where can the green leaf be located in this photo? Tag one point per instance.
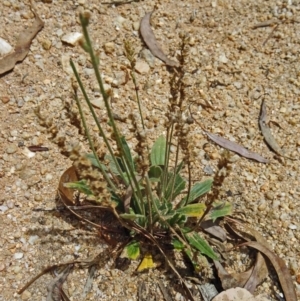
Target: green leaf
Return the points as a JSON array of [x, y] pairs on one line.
[[177, 244], [132, 250], [158, 151], [155, 173], [221, 209], [127, 152], [174, 190], [196, 241], [192, 210], [197, 190], [94, 161], [80, 186], [176, 219]]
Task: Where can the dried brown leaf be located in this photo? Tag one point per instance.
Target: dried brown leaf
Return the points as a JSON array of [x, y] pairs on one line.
[[65, 193], [38, 148], [282, 271], [236, 148], [270, 140], [150, 40], [24, 40], [55, 287], [214, 229]]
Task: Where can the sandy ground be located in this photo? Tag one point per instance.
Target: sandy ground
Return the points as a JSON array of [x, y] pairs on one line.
[[230, 64]]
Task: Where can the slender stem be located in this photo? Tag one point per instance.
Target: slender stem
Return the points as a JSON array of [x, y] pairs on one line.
[[96, 119], [95, 64], [137, 97], [111, 184]]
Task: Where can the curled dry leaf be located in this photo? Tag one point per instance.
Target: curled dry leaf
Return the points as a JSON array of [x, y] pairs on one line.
[[270, 140], [22, 46], [282, 271], [236, 148], [150, 40], [65, 193], [55, 287]]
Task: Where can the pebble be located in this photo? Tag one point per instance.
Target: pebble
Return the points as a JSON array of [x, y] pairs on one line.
[[223, 58], [270, 195], [5, 99], [11, 149], [148, 57], [262, 205], [109, 47], [5, 47], [46, 44], [71, 38], [26, 295], [10, 204], [208, 170], [18, 255], [142, 67]]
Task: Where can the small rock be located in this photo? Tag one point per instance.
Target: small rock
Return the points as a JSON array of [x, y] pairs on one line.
[[292, 227], [11, 149], [27, 295], [71, 38], [148, 56], [142, 67], [5, 99], [32, 239], [238, 85], [223, 58], [4, 47], [109, 47], [46, 44], [18, 255], [208, 170], [10, 204], [270, 195]]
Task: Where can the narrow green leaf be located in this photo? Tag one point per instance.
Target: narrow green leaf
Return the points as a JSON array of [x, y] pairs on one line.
[[196, 241], [192, 210], [221, 209], [127, 152], [131, 216], [80, 186], [132, 250], [177, 244], [158, 151], [94, 162], [176, 189]]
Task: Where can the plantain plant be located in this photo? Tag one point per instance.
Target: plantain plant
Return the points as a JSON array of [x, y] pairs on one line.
[[149, 188]]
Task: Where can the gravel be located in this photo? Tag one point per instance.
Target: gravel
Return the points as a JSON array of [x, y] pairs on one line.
[[230, 66]]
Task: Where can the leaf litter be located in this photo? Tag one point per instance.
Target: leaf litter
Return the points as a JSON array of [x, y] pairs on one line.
[[151, 42], [22, 47], [270, 140]]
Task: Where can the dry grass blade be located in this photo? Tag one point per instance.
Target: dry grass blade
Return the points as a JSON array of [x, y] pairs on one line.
[[150, 40], [282, 271], [22, 46], [236, 148], [55, 287], [270, 140]]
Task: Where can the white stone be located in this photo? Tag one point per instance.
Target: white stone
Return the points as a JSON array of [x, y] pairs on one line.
[[4, 47], [71, 38], [142, 67]]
